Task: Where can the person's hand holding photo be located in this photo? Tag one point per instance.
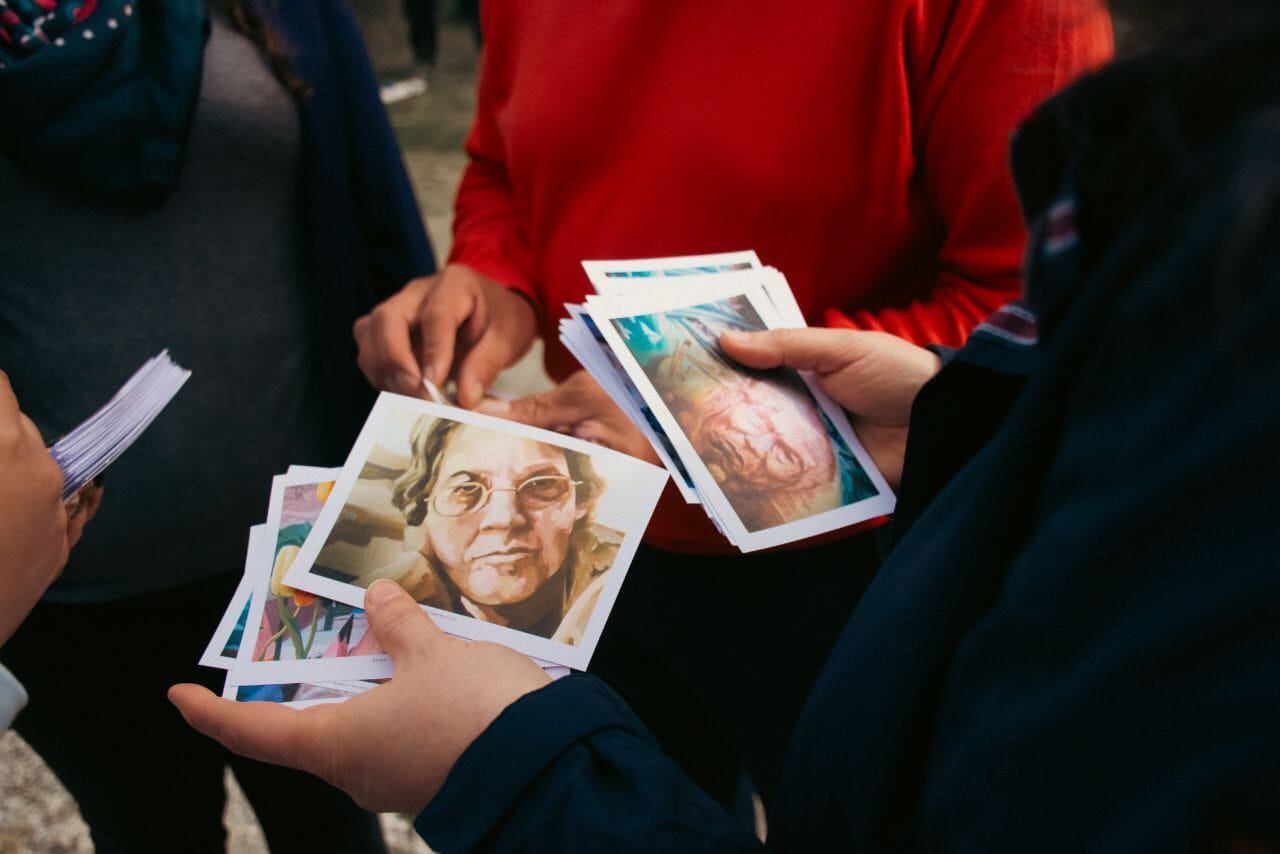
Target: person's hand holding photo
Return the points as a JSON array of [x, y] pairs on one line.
[[457, 322], [875, 377], [392, 747]]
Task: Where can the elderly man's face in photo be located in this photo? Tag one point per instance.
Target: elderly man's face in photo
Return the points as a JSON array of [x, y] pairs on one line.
[[501, 515], [768, 448]]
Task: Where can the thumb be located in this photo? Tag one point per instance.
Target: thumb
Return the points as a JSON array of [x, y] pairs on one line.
[[821, 350], [267, 732], [402, 628]]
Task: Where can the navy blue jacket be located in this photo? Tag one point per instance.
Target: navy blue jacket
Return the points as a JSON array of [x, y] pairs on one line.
[[1074, 644], [364, 230]]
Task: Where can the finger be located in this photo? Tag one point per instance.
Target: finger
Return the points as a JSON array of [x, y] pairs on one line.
[[268, 732], [490, 355], [75, 527], [28, 427], [562, 405], [393, 366], [398, 622], [592, 431], [8, 400], [361, 331], [821, 350], [91, 500], [444, 311]]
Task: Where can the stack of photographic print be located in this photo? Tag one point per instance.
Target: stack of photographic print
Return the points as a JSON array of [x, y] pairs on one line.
[[87, 451], [768, 456], [502, 532]]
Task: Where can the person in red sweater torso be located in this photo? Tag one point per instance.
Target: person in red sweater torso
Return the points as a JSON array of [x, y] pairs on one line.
[[861, 148]]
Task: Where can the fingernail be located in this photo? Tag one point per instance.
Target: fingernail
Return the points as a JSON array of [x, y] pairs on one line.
[[381, 592], [734, 337], [475, 392]]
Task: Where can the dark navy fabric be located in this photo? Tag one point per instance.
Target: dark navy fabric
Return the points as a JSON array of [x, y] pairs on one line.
[[1073, 645], [102, 103], [364, 232]]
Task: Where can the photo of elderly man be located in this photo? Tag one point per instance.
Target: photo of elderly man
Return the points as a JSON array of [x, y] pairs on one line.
[[765, 441]]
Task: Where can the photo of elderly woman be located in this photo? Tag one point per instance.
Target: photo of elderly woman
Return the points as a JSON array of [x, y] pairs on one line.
[[496, 527], [770, 448]]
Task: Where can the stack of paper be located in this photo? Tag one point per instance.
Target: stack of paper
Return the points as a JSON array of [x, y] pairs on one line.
[[767, 454], [502, 532], [89, 449]]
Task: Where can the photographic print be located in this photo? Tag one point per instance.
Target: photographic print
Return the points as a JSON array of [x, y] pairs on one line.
[[224, 646], [744, 276], [502, 531], [607, 275], [627, 398], [298, 695], [779, 452], [296, 635]]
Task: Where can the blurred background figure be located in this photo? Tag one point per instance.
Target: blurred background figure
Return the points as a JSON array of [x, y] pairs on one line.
[[423, 35], [414, 41]]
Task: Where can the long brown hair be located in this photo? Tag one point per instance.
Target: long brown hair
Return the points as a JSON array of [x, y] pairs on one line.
[[251, 25]]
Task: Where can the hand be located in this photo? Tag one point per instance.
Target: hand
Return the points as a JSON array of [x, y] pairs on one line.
[[873, 375], [392, 747], [81, 508], [578, 407], [35, 531], [457, 321]]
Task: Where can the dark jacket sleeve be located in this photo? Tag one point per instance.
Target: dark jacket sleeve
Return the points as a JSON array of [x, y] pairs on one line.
[[398, 246], [570, 768], [1121, 694]]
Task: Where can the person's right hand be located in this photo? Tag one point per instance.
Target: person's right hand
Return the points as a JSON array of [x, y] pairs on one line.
[[455, 322], [392, 747], [35, 532], [873, 375]]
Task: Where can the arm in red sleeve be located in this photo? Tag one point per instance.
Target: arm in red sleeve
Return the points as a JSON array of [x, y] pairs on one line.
[[490, 234], [977, 68]]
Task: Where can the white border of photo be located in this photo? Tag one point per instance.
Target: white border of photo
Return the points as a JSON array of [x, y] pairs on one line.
[[258, 568], [656, 301], [667, 270], [640, 492], [213, 656]]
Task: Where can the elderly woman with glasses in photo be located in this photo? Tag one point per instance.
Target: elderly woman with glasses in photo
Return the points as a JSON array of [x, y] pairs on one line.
[[502, 532]]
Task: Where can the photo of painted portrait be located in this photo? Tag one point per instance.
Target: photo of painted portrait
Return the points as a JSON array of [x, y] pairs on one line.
[[504, 532], [771, 449]]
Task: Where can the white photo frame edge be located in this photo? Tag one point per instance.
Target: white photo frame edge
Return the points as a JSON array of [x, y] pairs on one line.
[[604, 310], [651, 479]]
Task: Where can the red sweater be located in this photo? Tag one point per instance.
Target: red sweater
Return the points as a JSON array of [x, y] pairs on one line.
[[859, 147]]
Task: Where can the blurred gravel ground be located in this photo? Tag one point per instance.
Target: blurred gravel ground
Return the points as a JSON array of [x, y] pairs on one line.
[[36, 813]]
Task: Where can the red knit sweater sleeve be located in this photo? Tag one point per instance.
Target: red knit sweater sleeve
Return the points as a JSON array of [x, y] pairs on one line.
[[490, 234], [976, 70]]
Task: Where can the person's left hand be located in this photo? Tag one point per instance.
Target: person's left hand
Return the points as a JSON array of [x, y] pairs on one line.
[[578, 407], [392, 747]]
